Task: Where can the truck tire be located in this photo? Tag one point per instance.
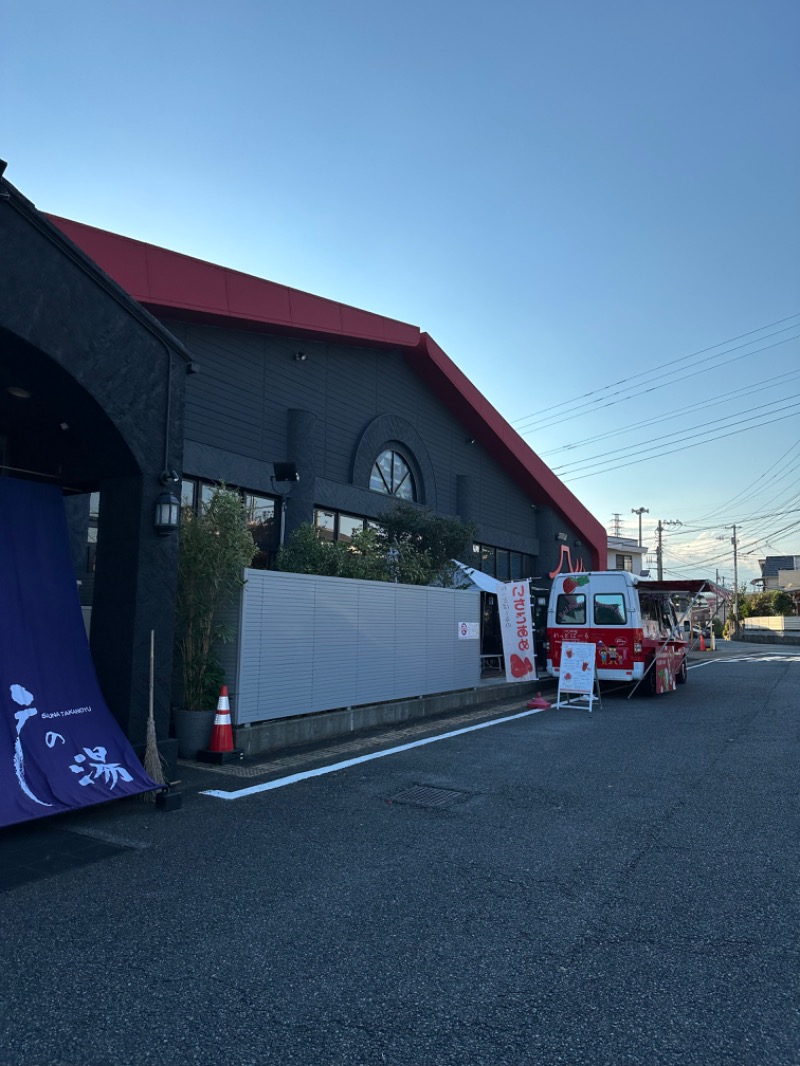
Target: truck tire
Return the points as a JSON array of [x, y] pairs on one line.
[[650, 682], [682, 675]]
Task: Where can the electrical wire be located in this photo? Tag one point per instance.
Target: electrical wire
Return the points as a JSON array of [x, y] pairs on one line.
[[682, 448], [758, 481], [670, 415], [652, 376], [600, 460]]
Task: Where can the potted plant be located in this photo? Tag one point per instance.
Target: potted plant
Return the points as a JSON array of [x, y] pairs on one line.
[[215, 546]]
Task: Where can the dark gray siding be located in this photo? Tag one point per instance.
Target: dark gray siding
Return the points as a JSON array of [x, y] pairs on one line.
[[237, 423]]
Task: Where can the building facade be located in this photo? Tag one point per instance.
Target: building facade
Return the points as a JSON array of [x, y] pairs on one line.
[[202, 374], [625, 554], [363, 408]]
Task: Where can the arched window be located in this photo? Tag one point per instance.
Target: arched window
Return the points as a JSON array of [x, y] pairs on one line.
[[392, 475]]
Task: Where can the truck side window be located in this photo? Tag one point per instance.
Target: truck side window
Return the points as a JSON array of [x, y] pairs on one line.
[[571, 610], [609, 609]]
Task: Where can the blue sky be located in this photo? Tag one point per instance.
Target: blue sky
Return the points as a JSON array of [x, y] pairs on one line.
[[573, 199]]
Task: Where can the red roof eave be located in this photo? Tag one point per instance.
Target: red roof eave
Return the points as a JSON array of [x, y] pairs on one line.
[[504, 444], [166, 281], [170, 283]]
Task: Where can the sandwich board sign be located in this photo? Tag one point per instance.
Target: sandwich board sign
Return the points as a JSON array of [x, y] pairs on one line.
[[577, 677]]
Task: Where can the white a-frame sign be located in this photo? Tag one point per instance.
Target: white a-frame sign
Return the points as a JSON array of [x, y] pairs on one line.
[[577, 677]]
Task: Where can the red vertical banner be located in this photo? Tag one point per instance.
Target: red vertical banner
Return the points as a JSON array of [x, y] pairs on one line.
[[514, 606]]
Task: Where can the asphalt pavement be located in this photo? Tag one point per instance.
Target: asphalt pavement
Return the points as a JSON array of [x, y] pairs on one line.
[[504, 888]]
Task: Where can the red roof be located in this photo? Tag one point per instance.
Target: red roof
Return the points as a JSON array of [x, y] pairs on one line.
[[180, 286]]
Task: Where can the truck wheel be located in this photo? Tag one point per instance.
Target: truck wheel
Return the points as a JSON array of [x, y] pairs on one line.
[[682, 676], [650, 682]]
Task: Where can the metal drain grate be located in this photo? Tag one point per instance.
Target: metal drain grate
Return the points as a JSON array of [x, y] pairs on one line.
[[429, 796]]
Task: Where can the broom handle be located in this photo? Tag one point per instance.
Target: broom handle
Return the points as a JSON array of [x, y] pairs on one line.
[[152, 665]]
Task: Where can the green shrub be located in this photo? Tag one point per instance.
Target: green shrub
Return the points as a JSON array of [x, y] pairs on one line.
[[215, 546]]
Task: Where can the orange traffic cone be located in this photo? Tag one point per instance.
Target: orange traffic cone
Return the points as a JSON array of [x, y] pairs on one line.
[[220, 748], [538, 703], [702, 643]]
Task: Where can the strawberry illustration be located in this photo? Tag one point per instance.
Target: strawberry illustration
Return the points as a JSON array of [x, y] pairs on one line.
[[574, 583], [520, 667], [567, 677]]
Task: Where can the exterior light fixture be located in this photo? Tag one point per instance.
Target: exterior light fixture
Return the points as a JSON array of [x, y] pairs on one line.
[[470, 440], [562, 537], [285, 472], [299, 357], [167, 514], [286, 475]]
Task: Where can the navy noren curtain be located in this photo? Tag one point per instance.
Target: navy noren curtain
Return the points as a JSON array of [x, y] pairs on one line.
[[60, 746]]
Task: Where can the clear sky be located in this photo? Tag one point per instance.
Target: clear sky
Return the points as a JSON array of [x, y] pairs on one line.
[[593, 207]]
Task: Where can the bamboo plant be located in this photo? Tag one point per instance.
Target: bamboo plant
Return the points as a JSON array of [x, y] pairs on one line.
[[215, 546]]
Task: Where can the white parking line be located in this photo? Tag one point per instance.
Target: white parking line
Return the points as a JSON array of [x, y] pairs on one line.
[[774, 657], [292, 778]]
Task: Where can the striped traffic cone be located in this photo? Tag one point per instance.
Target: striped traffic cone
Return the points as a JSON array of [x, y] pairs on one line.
[[220, 748]]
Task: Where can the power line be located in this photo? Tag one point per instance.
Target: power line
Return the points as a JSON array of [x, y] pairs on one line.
[[682, 448], [752, 484], [580, 412], [598, 460], [672, 364], [670, 415]]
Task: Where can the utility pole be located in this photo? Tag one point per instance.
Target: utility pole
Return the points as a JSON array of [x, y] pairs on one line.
[[640, 511], [735, 584], [659, 548]]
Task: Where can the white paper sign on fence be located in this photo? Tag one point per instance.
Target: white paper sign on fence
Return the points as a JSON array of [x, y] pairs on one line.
[[469, 631], [514, 606]]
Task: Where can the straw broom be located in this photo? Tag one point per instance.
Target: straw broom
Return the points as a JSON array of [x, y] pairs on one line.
[[153, 761]]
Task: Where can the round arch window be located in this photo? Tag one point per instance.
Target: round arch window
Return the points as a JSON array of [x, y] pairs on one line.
[[392, 475]]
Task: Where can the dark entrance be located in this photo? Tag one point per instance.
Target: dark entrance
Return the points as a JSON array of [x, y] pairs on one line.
[[91, 400]]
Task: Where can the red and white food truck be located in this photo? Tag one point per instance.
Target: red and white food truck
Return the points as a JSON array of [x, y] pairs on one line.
[[632, 623]]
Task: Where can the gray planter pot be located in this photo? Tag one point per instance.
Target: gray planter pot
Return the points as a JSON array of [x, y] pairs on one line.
[[193, 731]]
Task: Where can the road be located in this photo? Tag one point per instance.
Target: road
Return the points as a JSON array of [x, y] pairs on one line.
[[556, 888]]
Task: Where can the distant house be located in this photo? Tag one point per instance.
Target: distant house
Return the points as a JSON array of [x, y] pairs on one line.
[[625, 554], [789, 581], [772, 567]]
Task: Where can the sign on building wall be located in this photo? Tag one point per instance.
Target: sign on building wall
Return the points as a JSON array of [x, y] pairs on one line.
[[60, 747], [514, 605]]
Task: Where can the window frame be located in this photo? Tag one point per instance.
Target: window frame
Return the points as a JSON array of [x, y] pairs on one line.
[[392, 491]]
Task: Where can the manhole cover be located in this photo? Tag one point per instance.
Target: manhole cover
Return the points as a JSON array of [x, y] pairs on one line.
[[429, 796], [31, 853]]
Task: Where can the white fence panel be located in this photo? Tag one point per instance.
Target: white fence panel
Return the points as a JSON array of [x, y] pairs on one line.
[[310, 643], [781, 623]]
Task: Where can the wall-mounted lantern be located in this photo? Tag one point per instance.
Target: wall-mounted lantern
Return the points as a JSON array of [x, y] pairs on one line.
[[167, 514]]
